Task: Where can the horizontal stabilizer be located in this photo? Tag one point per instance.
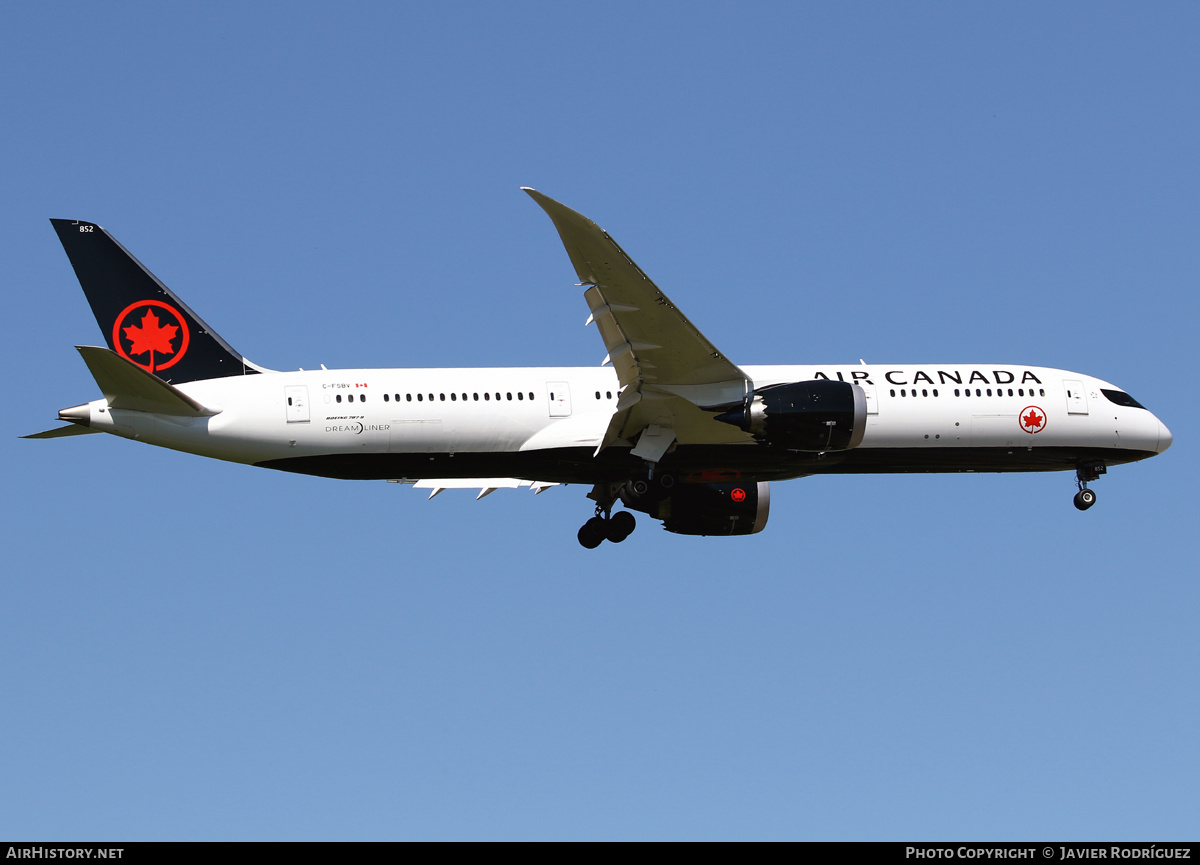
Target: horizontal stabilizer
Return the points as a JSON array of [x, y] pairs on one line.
[[127, 386], [62, 431]]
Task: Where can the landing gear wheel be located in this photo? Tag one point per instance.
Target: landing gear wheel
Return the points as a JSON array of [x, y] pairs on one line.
[[1084, 499], [620, 526], [592, 533]]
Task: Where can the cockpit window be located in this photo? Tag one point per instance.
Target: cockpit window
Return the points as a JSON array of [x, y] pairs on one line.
[[1121, 398]]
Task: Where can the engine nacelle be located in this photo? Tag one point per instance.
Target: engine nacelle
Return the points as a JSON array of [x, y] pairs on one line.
[[705, 509], [816, 415]]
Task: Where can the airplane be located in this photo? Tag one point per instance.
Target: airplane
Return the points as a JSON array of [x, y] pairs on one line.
[[667, 425]]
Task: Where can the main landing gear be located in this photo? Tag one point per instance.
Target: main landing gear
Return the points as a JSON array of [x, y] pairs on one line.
[[605, 527], [1085, 498]]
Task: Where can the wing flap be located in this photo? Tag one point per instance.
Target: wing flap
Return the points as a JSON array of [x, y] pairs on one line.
[[486, 486]]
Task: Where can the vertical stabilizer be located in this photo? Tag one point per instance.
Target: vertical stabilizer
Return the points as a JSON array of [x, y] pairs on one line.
[[142, 320]]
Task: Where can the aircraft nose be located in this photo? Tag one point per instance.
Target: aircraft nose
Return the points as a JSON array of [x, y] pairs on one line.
[[1164, 437]]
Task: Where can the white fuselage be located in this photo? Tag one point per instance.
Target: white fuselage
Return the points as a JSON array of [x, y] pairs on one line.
[[911, 407]]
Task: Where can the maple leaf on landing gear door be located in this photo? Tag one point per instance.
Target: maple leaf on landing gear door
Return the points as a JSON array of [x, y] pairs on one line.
[[151, 337]]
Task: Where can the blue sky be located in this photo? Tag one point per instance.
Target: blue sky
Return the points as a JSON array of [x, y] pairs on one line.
[[192, 649]]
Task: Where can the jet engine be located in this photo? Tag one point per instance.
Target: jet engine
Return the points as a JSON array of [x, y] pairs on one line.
[[703, 509], [817, 415]]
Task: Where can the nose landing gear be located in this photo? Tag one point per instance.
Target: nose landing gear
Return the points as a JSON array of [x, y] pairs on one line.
[[1085, 498]]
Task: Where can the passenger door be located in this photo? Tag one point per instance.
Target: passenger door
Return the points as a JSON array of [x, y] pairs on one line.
[[1076, 397], [296, 397], [558, 394]]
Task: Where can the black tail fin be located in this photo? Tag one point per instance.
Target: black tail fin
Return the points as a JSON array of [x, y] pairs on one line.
[[142, 320]]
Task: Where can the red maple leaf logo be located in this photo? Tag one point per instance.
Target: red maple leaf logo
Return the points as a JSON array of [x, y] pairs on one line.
[[1033, 421], [738, 494], [151, 337]]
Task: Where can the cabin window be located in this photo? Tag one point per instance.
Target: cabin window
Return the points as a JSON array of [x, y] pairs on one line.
[[420, 397], [521, 394], [487, 396], [607, 393], [338, 397], [924, 392], [454, 397], [935, 391], [510, 397], [893, 391], [597, 394], [385, 397], [476, 396]]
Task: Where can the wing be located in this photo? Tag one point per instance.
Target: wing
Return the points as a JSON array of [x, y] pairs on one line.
[[670, 374]]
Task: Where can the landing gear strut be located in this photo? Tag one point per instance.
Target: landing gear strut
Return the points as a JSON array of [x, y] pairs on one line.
[[1085, 498], [605, 527]]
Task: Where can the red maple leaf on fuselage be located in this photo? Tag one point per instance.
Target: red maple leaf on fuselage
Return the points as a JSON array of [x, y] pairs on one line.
[[1033, 419]]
